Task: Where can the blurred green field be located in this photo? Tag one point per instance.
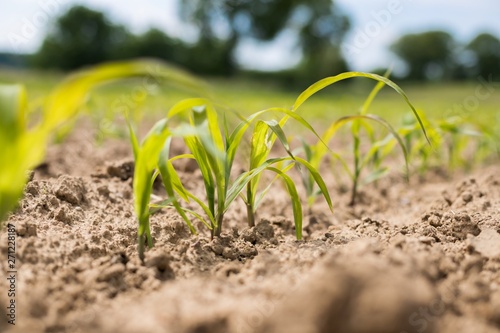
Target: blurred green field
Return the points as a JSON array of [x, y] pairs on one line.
[[471, 100]]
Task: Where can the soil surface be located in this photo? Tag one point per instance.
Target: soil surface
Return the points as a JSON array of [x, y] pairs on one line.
[[418, 257]]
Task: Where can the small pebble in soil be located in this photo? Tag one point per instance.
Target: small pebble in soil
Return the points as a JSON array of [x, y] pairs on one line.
[[467, 197], [111, 272], [123, 170]]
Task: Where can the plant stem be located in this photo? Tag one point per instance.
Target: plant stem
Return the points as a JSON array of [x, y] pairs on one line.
[[354, 192], [140, 246], [217, 230], [250, 204], [250, 216], [144, 237], [357, 170]]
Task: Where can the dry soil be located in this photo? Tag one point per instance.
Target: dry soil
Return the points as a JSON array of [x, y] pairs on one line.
[[418, 257]]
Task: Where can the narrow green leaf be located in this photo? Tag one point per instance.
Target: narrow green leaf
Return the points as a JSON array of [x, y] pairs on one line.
[[278, 131], [294, 196], [382, 122], [321, 84], [169, 177], [376, 175], [318, 179], [157, 206], [374, 93], [133, 139], [264, 192]]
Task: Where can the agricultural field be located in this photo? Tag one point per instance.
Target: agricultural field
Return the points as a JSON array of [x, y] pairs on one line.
[[137, 198]]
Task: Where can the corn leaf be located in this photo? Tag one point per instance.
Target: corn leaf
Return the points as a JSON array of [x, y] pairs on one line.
[[170, 179], [16, 157], [263, 193], [321, 84], [66, 100], [294, 196], [342, 121]]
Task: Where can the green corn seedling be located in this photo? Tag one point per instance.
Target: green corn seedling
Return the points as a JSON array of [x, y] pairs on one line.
[[23, 147], [144, 176], [264, 136], [462, 142], [458, 143], [490, 143], [378, 150], [374, 155], [421, 154], [214, 150], [152, 159]]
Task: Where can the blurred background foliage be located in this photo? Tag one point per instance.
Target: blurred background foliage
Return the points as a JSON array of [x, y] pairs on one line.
[[83, 36]]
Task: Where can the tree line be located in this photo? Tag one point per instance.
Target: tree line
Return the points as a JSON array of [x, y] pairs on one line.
[[83, 36], [435, 55]]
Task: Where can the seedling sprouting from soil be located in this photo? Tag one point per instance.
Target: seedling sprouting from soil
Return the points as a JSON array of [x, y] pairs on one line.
[[214, 149], [23, 147], [379, 148]]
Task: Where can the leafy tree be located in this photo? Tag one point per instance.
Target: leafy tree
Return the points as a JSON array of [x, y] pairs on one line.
[[428, 55], [318, 26], [486, 49], [153, 43], [80, 37], [212, 57], [83, 36]]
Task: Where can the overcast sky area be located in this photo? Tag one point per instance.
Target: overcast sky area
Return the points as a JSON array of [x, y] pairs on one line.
[[376, 24]]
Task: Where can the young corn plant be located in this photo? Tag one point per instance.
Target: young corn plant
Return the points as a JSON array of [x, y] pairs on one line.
[[263, 138], [464, 144], [144, 175], [379, 148], [214, 150], [151, 158], [487, 147], [490, 143], [458, 143], [421, 154], [23, 147]]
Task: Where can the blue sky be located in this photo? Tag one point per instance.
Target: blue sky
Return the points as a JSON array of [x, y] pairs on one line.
[[375, 25]]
